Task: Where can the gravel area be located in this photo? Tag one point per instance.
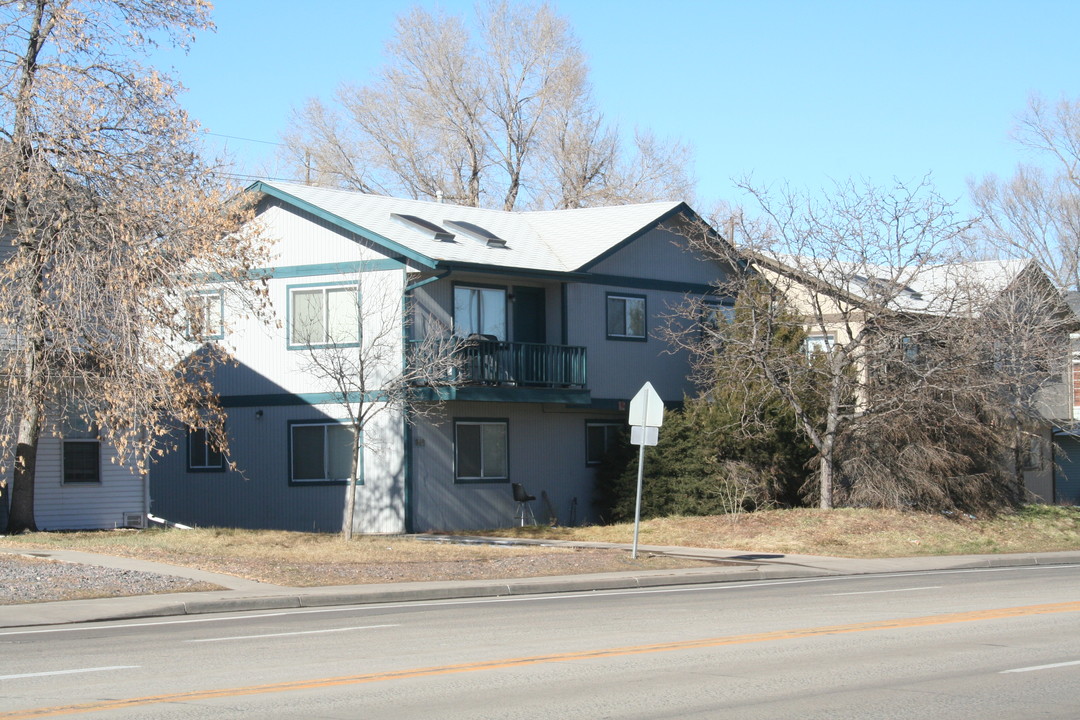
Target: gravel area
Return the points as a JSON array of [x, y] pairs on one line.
[[28, 580]]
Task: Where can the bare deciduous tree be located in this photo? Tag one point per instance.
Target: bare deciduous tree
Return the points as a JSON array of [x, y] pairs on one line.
[[830, 268], [926, 366], [109, 220], [1036, 213], [357, 358], [504, 120]]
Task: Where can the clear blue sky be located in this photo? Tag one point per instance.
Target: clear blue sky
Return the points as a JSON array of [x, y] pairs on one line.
[[798, 92]]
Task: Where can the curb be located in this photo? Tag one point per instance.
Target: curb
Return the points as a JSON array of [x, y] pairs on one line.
[[147, 606], [32, 615]]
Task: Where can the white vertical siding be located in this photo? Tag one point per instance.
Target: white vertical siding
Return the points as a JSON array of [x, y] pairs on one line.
[[84, 506]]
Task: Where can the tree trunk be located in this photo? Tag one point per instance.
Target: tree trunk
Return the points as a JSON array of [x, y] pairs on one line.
[[825, 481], [350, 497], [21, 516], [828, 440]]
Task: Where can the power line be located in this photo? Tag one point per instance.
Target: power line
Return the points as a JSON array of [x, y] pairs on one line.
[[235, 137]]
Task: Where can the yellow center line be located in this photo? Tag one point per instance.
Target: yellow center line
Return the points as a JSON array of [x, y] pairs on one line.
[[894, 624]]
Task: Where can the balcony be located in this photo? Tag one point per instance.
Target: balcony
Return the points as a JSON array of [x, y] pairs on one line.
[[496, 370]]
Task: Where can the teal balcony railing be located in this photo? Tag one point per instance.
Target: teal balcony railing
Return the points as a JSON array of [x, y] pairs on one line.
[[534, 365]]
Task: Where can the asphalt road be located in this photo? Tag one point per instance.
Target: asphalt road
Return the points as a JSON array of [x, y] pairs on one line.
[[1000, 643]]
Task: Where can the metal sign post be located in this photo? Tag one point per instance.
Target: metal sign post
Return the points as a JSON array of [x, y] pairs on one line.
[[646, 416]]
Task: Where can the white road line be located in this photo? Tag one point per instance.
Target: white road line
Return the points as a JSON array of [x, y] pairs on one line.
[[878, 592], [1040, 667], [68, 672], [286, 634]]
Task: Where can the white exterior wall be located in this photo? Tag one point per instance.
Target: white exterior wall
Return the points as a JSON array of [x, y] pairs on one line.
[[262, 348], [271, 386], [84, 506]]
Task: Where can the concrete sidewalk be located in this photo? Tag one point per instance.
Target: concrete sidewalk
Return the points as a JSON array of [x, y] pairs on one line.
[[248, 595]]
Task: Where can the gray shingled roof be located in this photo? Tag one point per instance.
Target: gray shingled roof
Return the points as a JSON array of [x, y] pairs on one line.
[[551, 241]]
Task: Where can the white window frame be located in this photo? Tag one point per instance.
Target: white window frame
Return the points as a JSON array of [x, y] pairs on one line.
[[819, 343], [463, 328], [627, 300]]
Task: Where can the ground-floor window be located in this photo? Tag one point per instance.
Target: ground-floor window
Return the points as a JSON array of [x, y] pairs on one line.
[[82, 460], [600, 438], [319, 452], [203, 455], [480, 451]]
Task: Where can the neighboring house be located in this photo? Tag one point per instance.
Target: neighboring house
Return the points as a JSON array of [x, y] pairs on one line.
[[838, 300], [559, 313], [80, 485], [1066, 449]]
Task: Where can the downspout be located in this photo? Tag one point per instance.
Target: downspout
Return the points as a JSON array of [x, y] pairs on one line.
[[406, 431], [145, 472]]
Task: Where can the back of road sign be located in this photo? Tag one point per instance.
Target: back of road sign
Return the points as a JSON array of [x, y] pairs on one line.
[[646, 409], [644, 435]]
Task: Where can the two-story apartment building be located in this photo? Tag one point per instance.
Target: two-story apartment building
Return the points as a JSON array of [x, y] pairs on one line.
[[558, 316]]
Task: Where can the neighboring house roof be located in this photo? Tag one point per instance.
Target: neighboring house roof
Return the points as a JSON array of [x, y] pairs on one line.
[[548, 241], [923, 289], [1072, 299]]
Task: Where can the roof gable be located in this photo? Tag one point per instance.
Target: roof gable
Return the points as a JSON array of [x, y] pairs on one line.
[[432, 234]]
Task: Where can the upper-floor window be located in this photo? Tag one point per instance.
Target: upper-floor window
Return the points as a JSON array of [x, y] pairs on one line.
[[205, 311], [625, 317], [480, 311], [819, 344], [324, 315], [909, 349], [203, 453], [714, 319]]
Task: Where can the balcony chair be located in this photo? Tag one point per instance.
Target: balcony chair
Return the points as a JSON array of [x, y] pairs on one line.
[[523, 500]]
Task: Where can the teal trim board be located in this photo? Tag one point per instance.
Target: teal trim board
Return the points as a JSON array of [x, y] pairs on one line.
[[292, 399], [338, 268], [467, 393]]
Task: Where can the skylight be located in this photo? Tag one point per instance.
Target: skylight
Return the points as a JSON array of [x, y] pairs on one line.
[[477, 232], [427, 226]]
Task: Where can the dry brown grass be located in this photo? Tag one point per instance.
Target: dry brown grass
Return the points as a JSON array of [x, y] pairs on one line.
[[306, 559], [856, 533], [309, 559]]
